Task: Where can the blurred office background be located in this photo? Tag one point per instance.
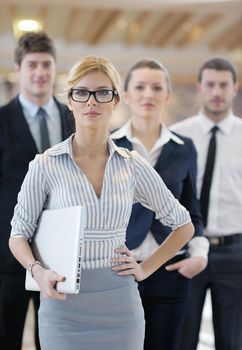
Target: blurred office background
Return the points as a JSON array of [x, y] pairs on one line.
[[180, 33]]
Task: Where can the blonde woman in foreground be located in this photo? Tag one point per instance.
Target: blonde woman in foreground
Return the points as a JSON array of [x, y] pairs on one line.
[[88, 169]]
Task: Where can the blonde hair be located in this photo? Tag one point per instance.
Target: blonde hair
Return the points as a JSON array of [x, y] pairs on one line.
[[90, 64]]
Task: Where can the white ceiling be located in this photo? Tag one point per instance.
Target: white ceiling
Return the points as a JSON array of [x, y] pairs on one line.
[[181, 33]]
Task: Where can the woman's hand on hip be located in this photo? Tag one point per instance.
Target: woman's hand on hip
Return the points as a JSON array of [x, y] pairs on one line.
[[126, 264]]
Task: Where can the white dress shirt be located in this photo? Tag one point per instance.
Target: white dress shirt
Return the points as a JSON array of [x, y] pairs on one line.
[[198, 246], [225, 202], [53, 120]]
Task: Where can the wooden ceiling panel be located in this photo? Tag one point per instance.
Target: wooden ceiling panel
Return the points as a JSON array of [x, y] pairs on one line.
[[136, 28], [227, 36], [149, 24], [192, 30], [107, 24], [195, 31], [27, 11], [71, 30], [235, 41], [173, 27], [153, 28], [7, 16], [119, 28], [158, 29], [100, 22], [55, 21]]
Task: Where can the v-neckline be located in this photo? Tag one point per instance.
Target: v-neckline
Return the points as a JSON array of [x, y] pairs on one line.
[[90, 185], [97, 198]]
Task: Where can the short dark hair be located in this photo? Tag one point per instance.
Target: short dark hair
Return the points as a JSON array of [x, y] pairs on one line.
[[148, 63], [32, 42], [220, 64]]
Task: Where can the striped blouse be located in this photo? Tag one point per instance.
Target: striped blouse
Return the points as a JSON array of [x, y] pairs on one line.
[[55, 181]]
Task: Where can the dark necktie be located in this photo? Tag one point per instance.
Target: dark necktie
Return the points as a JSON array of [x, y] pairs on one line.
[[44, 134], [208, 175]]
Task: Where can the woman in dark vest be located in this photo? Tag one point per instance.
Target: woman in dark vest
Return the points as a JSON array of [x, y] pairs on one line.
[[165, 293]]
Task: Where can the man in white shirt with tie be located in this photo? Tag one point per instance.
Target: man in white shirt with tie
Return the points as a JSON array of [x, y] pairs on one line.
[[31, 122], [217, 135]]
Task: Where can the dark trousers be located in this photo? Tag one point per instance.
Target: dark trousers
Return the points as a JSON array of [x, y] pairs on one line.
[[14, 302], [223, 276], [165, 297]]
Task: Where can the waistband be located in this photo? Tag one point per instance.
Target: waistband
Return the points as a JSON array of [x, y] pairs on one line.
[[101, 234], [217, 241], [99, 253]]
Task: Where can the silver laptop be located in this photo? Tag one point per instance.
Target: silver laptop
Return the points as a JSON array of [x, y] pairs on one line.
[[58, 244]]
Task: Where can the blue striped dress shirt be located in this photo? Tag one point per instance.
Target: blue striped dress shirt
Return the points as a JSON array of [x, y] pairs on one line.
[[55, 181]]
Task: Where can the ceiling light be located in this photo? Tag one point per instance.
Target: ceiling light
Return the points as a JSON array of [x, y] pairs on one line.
[[28, 25], [23, 26]]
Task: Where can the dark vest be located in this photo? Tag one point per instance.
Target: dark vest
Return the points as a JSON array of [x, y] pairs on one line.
[[173, 165]]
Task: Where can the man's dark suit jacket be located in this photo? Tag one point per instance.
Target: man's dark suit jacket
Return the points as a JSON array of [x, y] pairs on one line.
[[177, 167], [17, 149]]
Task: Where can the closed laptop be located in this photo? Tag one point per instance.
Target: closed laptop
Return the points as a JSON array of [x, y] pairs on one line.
[[57, 244]]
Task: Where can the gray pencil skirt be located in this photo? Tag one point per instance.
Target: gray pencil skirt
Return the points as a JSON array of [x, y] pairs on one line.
[[107, 314]]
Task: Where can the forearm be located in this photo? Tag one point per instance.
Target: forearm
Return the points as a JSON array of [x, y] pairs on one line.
[[20, 248], [46, 279], [174, 242]]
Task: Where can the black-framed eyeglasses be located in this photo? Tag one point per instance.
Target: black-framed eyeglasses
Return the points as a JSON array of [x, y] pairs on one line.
[[101, 96]]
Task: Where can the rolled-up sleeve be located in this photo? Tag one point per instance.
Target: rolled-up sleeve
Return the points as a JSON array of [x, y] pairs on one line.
[[31, 200], [153, 194]]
